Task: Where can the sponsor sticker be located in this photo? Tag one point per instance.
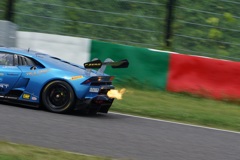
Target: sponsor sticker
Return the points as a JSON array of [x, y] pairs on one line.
[[34, 98], [3, 86], [11, 67], [94, 90], [76, 77], [26, 96], [37, 73], [93, 65]]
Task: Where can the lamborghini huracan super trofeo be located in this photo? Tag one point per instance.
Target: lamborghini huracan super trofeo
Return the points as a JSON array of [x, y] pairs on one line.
[[38, 79]]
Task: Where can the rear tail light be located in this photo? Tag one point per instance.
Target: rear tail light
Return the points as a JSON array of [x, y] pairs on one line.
[[99, 79], [87, 81]]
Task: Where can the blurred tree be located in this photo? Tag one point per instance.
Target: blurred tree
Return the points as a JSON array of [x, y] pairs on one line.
[[3, 6], [208, 28]]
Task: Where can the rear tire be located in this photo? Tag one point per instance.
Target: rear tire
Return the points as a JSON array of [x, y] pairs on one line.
[[58, 96]]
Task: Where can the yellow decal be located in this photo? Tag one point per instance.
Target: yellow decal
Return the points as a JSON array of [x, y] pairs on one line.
[[76, 77], [26, 96], [93, 65]]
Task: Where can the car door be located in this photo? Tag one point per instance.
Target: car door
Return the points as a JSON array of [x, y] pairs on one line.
[[9, 73]]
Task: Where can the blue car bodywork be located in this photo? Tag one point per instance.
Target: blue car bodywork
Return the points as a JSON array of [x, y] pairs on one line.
[[42, 80]]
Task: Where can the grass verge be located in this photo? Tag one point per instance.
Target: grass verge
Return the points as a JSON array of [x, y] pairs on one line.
[[11, 151], [179, 107]]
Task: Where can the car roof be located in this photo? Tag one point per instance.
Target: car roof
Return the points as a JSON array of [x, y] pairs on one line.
[[44, 59], [24, 52]]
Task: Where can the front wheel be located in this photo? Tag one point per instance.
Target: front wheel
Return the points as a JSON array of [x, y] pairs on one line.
[[58, 96]]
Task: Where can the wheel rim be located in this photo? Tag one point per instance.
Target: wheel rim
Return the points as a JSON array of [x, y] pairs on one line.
[[58, 96]]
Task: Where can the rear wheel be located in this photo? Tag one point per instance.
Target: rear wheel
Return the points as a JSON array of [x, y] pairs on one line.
[[58, 96]]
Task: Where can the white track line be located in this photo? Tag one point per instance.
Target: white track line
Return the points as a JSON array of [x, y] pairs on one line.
[[178, 123]]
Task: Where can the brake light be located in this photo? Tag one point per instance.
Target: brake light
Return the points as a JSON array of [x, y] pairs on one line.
[[99, 79], [87, 81]]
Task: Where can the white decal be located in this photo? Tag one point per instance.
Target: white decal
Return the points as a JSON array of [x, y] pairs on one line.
[[95, 90], [9, 67], [2, 85], [34, 98]]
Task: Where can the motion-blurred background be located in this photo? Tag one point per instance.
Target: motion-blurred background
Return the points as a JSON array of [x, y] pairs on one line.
[[209, 28]]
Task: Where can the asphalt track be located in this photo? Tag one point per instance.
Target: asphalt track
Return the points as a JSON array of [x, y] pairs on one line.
[[117, 136]]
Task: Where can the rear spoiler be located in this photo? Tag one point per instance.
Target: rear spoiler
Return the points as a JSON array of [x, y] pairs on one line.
[[96, 63]]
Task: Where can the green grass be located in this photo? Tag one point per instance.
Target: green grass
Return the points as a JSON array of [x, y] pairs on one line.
[[179, 107], [10, 151]]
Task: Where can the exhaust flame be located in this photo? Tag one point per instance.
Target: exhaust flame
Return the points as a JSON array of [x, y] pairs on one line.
[[114, 93]]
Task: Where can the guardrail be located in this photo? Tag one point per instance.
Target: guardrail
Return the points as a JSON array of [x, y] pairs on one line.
[[164, 70]]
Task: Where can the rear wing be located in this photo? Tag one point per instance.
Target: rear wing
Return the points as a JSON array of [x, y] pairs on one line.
[[96, 63]]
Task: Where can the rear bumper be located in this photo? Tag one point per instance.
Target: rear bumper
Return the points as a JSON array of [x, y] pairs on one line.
[[99, 103]]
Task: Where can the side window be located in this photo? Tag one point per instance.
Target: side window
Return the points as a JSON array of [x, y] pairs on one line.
[[25, 61], [6, 59], [29, 62]]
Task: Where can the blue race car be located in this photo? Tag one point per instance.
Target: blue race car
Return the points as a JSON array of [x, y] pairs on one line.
[[39, 79]]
